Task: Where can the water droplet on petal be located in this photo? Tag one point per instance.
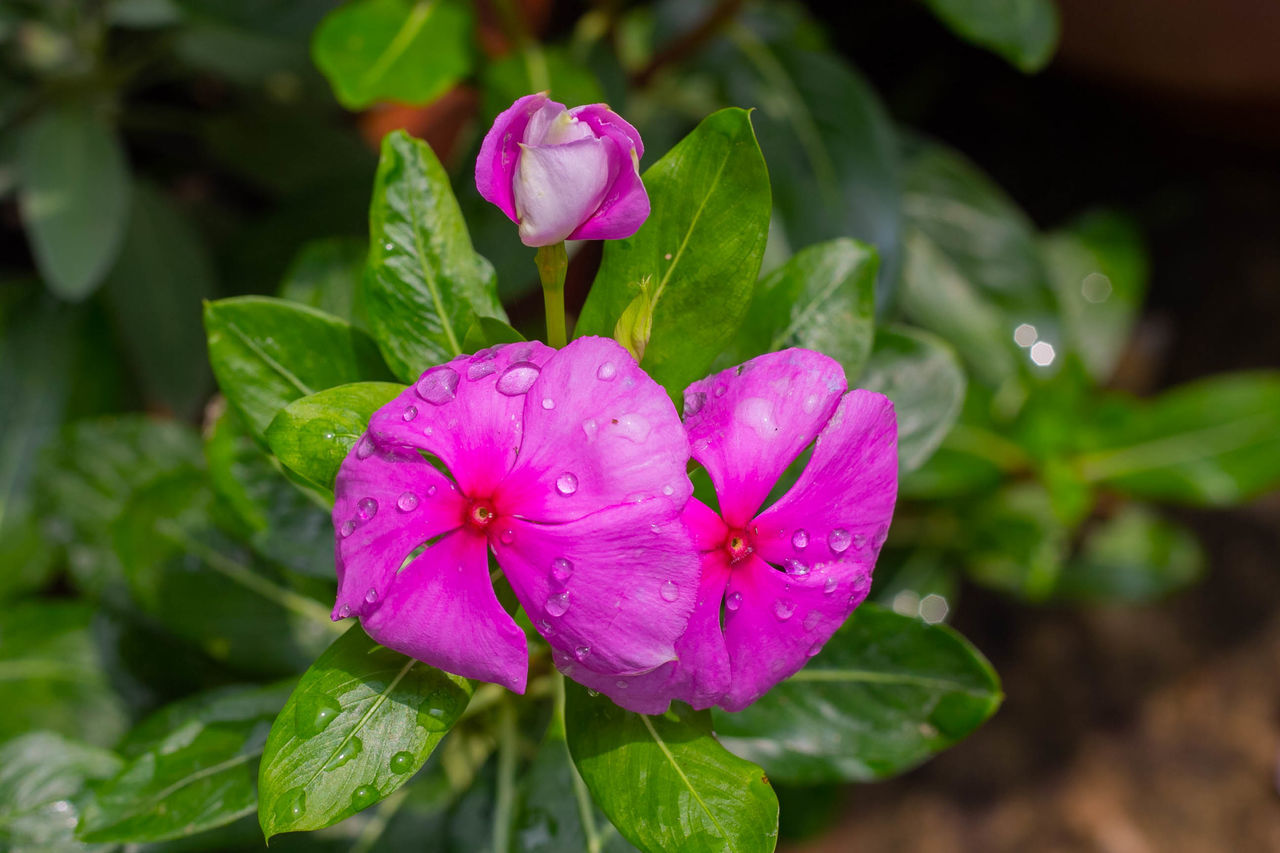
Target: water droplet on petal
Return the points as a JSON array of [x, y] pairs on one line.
[[783, 608], [620, 684], [544, 628], [567, 483], [669, 591], [558, 604], [839, 540], [548, 403], [693, 402], [364, 796], [757, 413], [364, 448], [633, 427], [344, 611], [581, 652], [720, 389], [402, 762], [438, 385], [507, 536], [668, 490], [431, 490], [561, 570], [366, 509], [859, 541], [831, 584], [607, 371], [590, 428], [517, 379], [811, 621], [814, 649], [410, 413], [371, 596], [882, 533], [734, 601], [407, 502], [795, 567], [314, 712], [348, 527], [800, 539], [810, 404], [481, 366]]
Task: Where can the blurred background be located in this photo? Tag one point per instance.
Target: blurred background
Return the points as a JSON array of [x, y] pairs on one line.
[[154, 153]]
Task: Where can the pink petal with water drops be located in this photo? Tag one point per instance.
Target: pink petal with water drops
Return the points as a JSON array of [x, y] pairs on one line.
[[747, 424], [500, 152], [774, 622], [613, 589], [468, 412], [386, 503], [442, 610], [598, 432]]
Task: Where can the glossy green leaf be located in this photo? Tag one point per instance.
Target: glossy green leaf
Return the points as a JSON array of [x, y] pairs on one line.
[[886, 692], [1014, 541], [920, 373], [822, 299], [700, 250], [361, 722], [1213, 442], [488, 331], [313, 435], [696, 795], [42, 782], [328, 275], [54, 673], [1133, 556], [191, 767], [552, 69], [1024, 32], [153, 291], [74, 197], [409, 51], [266, 353], [425, 283]]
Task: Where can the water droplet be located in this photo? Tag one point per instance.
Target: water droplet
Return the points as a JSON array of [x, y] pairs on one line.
[[783, 608], [757, 413], [814, 649], [428, 431], [668, 490], [344, 611], [507, 536], [558, 604], [371, 596], [669, 591], [548, 403], [633, 427], [348, 527], [811, 621], [438, 385], [831, 584], [410, 413], [364, 448], [734, 601], [314, 712], [810, 404], [720, 389], [839, 540], [607, 371], [364, 796], [346, 752], [389, 246], [407, 502], [292, 805], [620, 684], [431, 490], [481, 366], [366, 509], [581, 652], [590, 428], [693, 402], [567, 483], [544, 628], [882, 533], [795, 567], [800, 539], [561, 570], [402, 762], [517, 378]]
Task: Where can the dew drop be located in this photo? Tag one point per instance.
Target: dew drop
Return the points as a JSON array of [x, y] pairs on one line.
[[410, 413], [720, 389], [668, 490], [814, 649], [831, 584], [783, 608], [561, 570], [407, 502], [348, 527], [882, 533], [811, 621], [517, 379], [431, 490], [633, 428], [734, 601], [810, 404], [544, 628], [371, 596], [693, 402], [344, 611], [366, 509], [428, 432], [606, 372], [389, 246], [669, 591], [402, 762], [567, 483], [757, 413], [839, 540], [349, 750], [859, 541], [364, 796], [620, 684], [582, 652], [558, 604], [438, 385], [795, 567], [293, 805], [800, 539], [314, 712], [364, 448], [479, 367], [589, 427], [507, 536], [548, 403]]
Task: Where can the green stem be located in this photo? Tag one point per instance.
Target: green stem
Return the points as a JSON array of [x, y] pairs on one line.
[[504, 798], [586, 812], [553, 263]]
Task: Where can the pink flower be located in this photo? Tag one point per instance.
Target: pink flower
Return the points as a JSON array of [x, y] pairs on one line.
[[563, 174], [569, 466], [785, 578]]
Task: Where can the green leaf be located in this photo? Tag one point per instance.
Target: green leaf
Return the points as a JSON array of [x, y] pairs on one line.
[[42, 782], [161, 275], [1098, 267], [74, 198], [191, 767], [822, 299], [425, 283], [488, 331], [266, 353], [886, 692], [1133, 556], [313, 435], [409, 51], [550, 69], [1024, 32], [361, 722], [328, 275], [920, 373], [696, 794], [54, 672], [1214, 442], [700, 250], [1014, 541]]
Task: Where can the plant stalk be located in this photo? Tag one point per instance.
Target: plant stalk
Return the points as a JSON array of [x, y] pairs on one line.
[[553, 263]]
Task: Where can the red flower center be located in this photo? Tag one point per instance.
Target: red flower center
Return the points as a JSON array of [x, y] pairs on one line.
[[738, 546], [480, 514]]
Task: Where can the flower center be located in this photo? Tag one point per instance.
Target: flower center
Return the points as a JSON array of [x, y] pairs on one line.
[[738, 546], [480, 514]]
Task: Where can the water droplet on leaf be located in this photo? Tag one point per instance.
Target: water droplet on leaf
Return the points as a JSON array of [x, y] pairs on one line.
[[364, 796], [402, 762], [292, 805], [346, 752], [314, 712]]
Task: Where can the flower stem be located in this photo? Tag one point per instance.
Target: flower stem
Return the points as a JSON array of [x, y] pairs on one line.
[[553, 262], [504, 798]]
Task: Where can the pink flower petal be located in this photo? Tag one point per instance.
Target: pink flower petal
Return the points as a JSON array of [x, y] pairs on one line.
[[747, 424], [613, 589], [604, 122], [500, 152], [598, 432], [468, 413], [557, 187], [386, 503], [625, 205], [442, 610]]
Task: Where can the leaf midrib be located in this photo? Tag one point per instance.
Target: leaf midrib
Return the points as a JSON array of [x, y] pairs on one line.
[[662, 745], [871, 676], [279, 368], [420, 251], [399, 43]]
